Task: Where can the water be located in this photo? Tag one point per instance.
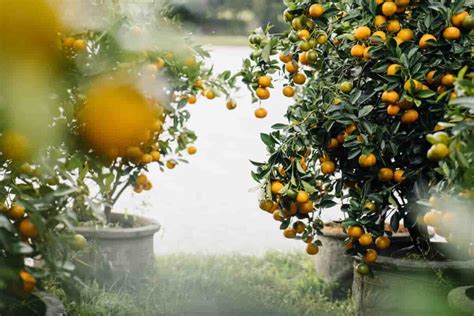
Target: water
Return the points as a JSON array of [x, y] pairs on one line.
[[205, 207]]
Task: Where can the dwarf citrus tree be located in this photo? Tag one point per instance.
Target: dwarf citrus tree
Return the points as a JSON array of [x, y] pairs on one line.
[[370, 81]]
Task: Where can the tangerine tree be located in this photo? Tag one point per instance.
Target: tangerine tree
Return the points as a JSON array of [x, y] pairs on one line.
[[370, 81]]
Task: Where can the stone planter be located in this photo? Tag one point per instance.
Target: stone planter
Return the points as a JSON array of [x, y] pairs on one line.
[[461, 299], [409, 287], [41, 304], [331, 263], [114, 254]]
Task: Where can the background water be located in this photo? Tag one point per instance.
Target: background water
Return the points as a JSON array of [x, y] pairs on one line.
[[205, 206]]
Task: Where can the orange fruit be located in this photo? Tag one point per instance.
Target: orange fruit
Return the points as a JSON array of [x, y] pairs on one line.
[[357, 51], [378, 37], [322, 38], [390, 97], [28, 229], [355, 232], [385, 175], [366, 161], [141, 180], [382, 242], [432, 218], [299, 78], [191, 150], [412, 85], [231, 104], [303, 58], [276, 187], [316, 10], [260, 113], [262, 93], [393, 69], [333, 144], [398, 176], [146, 159], [192, 99], [277, 216], [171, 164], [303, 34], [16, 212], [155, 155], [389, 8], [299, 227], [306, 208], [265, 81], [424, 40], [379, 21], [29, 281], [367, 52], [402, 3], [393, 109], [365, 240], [286, 58], [362, 33], [148, 186], [289, 233], [312, 249], [409, 117], [430, 77], [328, 167], [448, 80], [302, 197], [405, 35], [370, 256], [69, 42], [451, 33], [266, 205], [79, 44], [291, 67], [438, 152], [457, 19], [393, 26], [288, 91]]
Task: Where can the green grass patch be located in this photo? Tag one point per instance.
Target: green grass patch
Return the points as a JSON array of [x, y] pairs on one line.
[[275, 284]]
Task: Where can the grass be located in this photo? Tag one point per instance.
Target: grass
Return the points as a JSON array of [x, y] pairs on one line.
[[275, 284]]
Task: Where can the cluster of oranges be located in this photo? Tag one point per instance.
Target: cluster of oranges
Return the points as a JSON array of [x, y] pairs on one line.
[[210, 94], [263, 93], [18, 214], [358, 235], [142, 183], [72, 43]]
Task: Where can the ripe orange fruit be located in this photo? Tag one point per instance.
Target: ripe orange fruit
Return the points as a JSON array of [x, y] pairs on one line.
[[402, 3], [302, 197], [286, 58], [438, 152], [16, 212], [448, 80], [378, 37], [393, 26], [15, 146], [409, 117], [29, 281], [288, 91], [231, 104], [291, 67], [303, 58], [276, 187], [191, 150], [362, 33], [424, 40], [412, 85], [393, 109], [322, 38], [69, 42], [367, 52], [389, 8], [379, 21], [398, 176], [355, 232], [265, 81], [260, 113], [312, 249], [457, 19], [385, 175], [316, 10], [28, 229], [382, 242], [390, 97], [266, 205], [299, 78], [432, 218], [277, 216], [289, 233], [430, 77], [341, 137], [451, 33], [370, 256], [79, 44], [357, 51], [328, 167], [146, 159], [192, 99], [306, 208], [262, 93], [405, 35], [393, 69], [141, 180], [366, 161], [365, 240], [299, 227], [333, 144], [351, 128]]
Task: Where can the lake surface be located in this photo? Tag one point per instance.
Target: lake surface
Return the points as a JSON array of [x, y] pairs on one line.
[[205, 206]]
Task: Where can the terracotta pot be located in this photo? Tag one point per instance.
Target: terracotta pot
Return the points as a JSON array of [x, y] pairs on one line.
[[114, 254]]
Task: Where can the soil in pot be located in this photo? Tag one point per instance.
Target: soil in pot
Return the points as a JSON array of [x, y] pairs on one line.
[[117, 253], [331, 263], [411, 286]]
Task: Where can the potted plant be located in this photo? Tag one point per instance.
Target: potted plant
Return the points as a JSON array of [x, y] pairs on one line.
[[126, 109], [370, 80]]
